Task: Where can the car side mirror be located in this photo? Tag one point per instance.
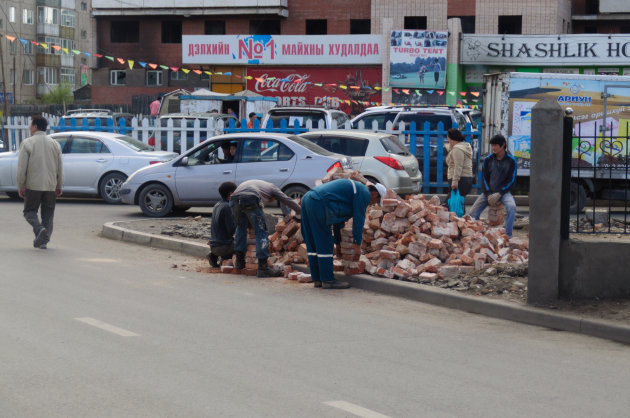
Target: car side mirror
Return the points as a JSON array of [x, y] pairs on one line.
[[184, 161]]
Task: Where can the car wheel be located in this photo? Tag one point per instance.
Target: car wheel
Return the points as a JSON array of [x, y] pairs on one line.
[[156, 201], [294, 192], [372, 180], [109, 188], [13, 195]]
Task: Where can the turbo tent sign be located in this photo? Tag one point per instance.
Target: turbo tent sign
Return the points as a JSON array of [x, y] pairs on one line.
[[418, 59]]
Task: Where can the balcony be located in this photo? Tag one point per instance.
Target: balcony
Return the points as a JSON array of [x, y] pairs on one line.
[[190, 7]]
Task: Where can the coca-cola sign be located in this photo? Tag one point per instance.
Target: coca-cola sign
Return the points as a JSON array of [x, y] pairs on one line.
[[293, 83], [308, 86]]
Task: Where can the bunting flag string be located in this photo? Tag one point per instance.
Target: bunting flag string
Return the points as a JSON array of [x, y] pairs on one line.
[[131, 63]]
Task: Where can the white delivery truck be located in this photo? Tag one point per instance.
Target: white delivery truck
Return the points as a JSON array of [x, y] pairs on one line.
[[600, 157]]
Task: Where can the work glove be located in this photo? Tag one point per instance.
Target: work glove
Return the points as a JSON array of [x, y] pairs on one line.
[[494, 199]]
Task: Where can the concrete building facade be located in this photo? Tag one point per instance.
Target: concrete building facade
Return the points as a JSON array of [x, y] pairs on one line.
[[30, 70]]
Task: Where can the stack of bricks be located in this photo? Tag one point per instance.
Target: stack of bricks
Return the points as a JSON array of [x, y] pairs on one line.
[[496, 215], [408, 239], [420, 238], [251, 262]]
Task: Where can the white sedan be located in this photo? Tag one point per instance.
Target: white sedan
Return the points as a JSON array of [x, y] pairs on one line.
[[94, 163]]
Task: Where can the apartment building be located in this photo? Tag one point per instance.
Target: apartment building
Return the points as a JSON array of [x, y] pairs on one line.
[[31, 69]]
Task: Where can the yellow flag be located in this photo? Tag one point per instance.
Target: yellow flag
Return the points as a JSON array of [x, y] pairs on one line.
[[130, 62]]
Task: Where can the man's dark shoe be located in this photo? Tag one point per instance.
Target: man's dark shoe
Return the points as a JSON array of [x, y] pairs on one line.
[[317, 283], [213, 260], [335, 284], [42, 235], [44, 246], [240, 260], [265, 271]]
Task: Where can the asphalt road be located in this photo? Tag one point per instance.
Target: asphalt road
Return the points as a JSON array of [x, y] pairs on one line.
[[99, 328]]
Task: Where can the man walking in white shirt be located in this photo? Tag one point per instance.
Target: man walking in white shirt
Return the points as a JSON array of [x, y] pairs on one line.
[[40, 179]]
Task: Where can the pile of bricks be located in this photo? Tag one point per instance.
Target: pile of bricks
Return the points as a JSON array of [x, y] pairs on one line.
[[407, 238], [251, 262]]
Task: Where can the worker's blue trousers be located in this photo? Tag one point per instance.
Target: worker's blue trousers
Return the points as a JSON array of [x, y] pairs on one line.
[[318, 238]]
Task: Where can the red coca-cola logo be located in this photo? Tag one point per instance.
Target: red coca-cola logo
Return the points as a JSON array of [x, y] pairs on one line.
[[293, 83]]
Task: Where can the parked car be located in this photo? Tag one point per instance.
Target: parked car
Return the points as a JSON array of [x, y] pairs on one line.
[[402, 117], [193, 179], [208, 125], [94, 163], [78, 118], [316, 115], [380, 157]]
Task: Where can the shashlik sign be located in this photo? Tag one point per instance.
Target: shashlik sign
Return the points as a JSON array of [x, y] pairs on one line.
[[282, 49]]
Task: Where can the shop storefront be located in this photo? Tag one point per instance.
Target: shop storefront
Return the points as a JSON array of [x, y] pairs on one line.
[[566, 54], [340, 71]]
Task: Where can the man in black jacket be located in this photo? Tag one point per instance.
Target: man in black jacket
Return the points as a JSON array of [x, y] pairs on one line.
[[222, 227], [499, 175]]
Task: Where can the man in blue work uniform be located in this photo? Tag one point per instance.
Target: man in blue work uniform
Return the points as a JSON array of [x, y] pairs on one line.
[[499, 175], [331, 205]]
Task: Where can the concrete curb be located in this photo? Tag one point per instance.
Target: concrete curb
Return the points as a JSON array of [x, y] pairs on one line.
[[436, 296]]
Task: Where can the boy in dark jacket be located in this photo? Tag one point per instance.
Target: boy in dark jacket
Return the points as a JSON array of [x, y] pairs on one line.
[[222, 227], [499, 175]]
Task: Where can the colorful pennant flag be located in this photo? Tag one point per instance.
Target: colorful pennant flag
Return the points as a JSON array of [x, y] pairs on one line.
[[130, 62]]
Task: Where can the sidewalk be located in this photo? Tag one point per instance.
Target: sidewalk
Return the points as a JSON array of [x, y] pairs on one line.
[[610, 330]]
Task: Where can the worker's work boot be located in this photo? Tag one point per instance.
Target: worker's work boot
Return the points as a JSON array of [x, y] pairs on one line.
[[240, 260], [335, 284], [265, 271]]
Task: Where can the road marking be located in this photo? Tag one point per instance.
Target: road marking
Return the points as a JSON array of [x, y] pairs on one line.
[[355, 409], [107, 327], [98, 260]]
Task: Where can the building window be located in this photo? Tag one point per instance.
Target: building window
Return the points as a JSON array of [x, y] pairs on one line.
[[264, 27], [11, 76], [316, 26], [67, 76], [27, 16], [117, 77], [416, 22], [360, 26], [124, 31], [510, 25], [1, 23], [214, 27], [83, 5], [67, 18], [68, 44], [179, 75], [28, 77], [468, 23], [49, 41], [83, 34], [28, 48], [47, 75], [590, 29], [592, 7], [13, 47], [171, 32], [47, 15], [12, 14], [154, 78]]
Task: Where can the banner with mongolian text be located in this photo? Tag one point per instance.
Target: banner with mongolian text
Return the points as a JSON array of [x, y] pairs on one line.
[[282, 49], [301, 86]]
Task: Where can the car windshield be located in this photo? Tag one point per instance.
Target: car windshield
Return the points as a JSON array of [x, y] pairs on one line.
[[309, 145], [394, 146], [421, 118], [91, 121], [134, 144], [300, 117]]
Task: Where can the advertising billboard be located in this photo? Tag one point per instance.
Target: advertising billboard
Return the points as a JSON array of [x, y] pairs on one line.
[[417, 59], [308, 86], [594, 144], [282, 49]]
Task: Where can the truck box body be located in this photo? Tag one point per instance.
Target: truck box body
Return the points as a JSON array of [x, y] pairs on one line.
[[508, 100]]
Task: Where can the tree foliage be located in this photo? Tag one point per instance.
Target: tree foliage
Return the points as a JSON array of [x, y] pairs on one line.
[[62, 94]]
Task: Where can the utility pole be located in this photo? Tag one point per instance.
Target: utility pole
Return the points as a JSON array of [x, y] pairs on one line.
[[4, 96]]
